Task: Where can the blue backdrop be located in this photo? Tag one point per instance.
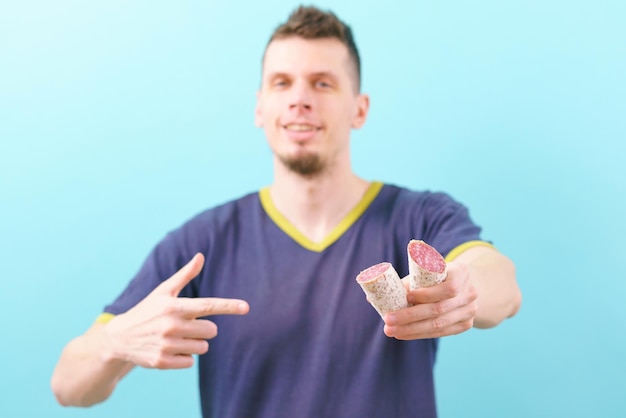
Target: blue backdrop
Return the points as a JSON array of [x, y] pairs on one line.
[[120, 120]]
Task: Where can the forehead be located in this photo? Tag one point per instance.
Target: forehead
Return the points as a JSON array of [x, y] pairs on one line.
[[296, 55]]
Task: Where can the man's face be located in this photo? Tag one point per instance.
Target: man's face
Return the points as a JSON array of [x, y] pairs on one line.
[[308, 103]]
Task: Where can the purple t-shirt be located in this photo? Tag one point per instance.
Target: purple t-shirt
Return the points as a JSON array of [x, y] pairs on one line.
[[311, 345]]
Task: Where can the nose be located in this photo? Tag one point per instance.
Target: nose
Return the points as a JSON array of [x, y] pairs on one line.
[[300, 98]]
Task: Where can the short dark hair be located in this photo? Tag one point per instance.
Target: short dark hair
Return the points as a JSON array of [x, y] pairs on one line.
[[309, 22]]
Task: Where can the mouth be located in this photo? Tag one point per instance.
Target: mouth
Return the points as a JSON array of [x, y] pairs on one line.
[[301, 127]]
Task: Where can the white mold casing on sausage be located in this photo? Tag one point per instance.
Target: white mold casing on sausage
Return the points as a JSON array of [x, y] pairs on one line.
[[383, 287]]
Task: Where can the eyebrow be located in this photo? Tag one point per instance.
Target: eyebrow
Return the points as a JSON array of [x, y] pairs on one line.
[[317, 74], [320, 74]]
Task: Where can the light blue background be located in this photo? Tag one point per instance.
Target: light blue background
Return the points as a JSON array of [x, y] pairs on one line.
[[120, 120]]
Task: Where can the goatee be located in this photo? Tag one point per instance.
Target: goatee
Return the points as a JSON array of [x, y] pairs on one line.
[[305, 165]]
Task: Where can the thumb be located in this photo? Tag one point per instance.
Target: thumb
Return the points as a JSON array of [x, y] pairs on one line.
[[178, 280]]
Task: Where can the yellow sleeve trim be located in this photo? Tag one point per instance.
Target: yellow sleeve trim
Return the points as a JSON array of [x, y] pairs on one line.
[[104, 317], [454, 253], [335, 234]]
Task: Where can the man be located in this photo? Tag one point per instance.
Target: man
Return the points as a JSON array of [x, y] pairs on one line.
[[275, 270]]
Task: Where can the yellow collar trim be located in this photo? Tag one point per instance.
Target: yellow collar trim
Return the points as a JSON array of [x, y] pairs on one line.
[[289, 229], [456, 251]]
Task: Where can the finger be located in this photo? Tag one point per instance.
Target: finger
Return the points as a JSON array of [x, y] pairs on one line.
[[457, 277], [422, 312], [461, 318], [177, 361], [447, 289], [455, 329], [198, 329], [187, 346], [179, 280], [198, 307]]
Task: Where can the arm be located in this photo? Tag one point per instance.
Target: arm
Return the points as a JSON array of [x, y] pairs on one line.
[[162, 331], [87, 372], [493, 276], [480, 290]]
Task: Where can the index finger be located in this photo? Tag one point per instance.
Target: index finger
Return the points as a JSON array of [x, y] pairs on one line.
[[175, 283], [456, 277], [433, 294], [198, 307]]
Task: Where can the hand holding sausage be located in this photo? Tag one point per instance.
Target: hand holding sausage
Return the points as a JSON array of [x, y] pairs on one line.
[[444, 309]]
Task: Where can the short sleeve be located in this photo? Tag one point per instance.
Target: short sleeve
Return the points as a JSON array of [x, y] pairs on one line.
[[448, 225], [169, 256]]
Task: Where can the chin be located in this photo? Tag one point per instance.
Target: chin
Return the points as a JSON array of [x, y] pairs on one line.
[[305, 164]]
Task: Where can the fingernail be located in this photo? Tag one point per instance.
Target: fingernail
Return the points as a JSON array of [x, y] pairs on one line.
[[391, 318], [242, 307]]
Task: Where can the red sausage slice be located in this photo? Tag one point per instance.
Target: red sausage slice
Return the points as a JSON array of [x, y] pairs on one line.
[[426, 266]]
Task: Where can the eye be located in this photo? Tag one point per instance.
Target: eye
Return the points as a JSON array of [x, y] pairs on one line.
[[323, 84], [279, 82]]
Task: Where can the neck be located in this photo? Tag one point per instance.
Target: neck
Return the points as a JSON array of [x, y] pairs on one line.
[[315, 205]]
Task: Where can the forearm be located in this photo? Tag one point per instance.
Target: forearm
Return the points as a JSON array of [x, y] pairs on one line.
[[86, 373], [493, 276]]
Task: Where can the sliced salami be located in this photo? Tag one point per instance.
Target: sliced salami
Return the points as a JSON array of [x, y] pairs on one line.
[[426, 266], [383, 288]]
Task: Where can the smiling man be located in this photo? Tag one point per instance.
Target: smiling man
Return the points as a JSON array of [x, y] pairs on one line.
[[310, 101], [275, 270]]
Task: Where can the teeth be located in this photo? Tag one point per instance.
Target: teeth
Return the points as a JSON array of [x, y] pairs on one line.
[[299, 127]]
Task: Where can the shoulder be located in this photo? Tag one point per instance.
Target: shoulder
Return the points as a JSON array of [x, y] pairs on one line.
[[204, 225], [433, 216], [403, 197], [421, 210], [224, 212]]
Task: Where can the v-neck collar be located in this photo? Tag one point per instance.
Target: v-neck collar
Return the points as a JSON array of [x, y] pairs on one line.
[[289, 229]]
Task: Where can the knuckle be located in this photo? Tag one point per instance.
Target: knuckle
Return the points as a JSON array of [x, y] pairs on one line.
[[209, 305], [156, 362], [167, 346], [438, 308], [465, 326], [439, 323], [170, 308], [168, 326], [161, 364]]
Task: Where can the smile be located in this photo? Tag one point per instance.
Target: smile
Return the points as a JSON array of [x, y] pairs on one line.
[[300, 127]]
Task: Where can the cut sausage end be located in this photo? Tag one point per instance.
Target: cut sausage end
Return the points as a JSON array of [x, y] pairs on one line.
[[373, 272], [426, 256], [426, 266]]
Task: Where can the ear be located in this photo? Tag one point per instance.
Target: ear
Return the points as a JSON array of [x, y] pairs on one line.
[[258, 113], [362, 108]]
